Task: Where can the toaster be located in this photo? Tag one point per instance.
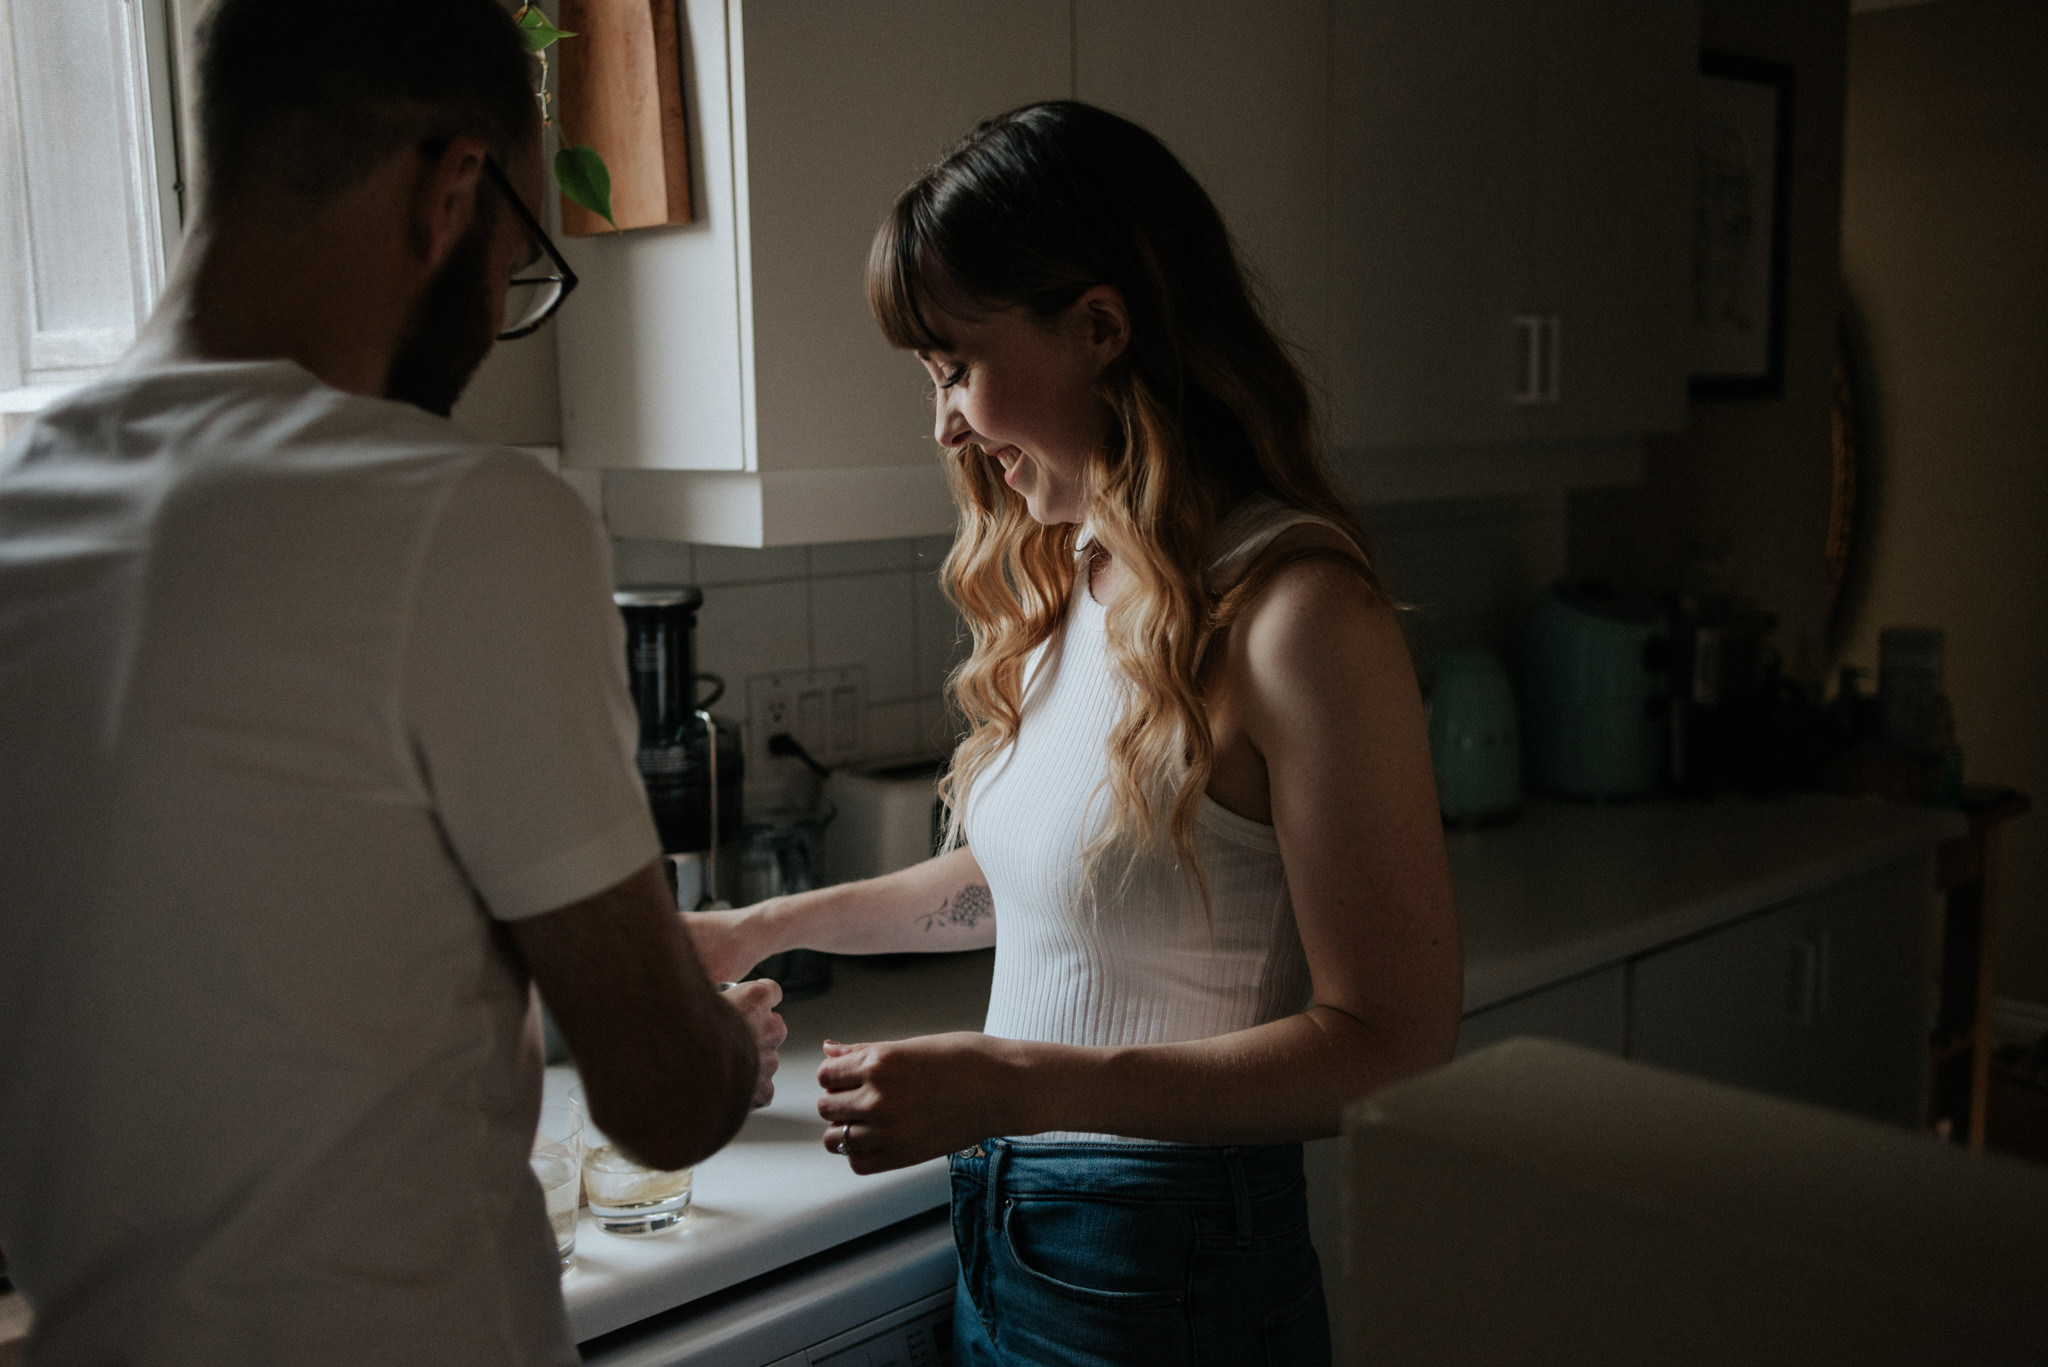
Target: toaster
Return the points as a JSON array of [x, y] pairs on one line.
[[883, 820]]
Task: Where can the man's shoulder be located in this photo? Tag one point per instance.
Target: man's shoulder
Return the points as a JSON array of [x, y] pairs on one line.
[[239, 415], [266, 447]]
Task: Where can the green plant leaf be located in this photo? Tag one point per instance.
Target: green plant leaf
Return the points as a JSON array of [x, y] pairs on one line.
[[585, 179], [540, 34]]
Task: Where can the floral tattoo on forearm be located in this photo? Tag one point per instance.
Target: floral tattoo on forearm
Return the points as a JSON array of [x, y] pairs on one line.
[[965, 909]]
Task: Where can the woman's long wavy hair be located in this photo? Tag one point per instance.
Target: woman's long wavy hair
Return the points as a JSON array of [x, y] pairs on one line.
[[1204, 408]]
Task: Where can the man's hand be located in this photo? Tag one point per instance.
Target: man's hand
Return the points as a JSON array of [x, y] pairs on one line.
[[756, 1002], [892, 1105], [669, 1065]]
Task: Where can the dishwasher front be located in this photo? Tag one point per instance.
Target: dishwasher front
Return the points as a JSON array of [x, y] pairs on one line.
[[885, 1300]]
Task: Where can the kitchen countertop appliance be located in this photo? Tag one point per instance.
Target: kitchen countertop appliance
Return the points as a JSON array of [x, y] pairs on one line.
[[1474, 741], [888, 818], [1590, 691], [781, 856], [1723, 682], [691, 763]]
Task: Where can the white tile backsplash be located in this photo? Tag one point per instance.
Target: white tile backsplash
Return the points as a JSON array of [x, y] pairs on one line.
[[738, 565], [868, 619], [892, 730], [653, 562], [1471, 567], [863, 557], [749, 629]]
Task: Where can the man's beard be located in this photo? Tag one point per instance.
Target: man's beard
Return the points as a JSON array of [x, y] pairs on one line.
[[450, 331]]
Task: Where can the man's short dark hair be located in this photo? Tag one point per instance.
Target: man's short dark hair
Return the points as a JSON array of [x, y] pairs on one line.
[[301, 99]]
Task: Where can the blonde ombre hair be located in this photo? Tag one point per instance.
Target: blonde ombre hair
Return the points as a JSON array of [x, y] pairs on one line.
[[1204, 409]]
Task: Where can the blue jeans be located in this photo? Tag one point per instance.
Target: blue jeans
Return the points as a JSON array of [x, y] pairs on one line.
[[1134, 1255]]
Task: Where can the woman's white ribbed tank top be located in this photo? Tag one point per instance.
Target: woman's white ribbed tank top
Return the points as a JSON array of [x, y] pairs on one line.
[[1147, 966]]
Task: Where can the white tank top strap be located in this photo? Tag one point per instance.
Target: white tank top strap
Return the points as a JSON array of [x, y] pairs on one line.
[[1250, 528]]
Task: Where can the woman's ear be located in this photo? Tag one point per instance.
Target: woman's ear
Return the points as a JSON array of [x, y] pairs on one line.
[[1104, 323]]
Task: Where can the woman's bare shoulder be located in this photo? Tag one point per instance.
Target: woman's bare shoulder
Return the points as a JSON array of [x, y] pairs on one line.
[[1317, 617]]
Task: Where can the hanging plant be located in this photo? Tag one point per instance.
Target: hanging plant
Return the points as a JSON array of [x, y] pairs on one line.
[[579, 170]]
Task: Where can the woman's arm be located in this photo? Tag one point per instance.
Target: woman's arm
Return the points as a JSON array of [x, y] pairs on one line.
[[941, 904], [1329, 700]]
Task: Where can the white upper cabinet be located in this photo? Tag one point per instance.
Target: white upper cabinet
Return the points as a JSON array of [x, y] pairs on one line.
[[1241, 93], [740, 347], [1442, 200], [1510, 194]]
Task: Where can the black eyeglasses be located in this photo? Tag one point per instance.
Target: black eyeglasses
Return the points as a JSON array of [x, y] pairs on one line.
[[532, 297]]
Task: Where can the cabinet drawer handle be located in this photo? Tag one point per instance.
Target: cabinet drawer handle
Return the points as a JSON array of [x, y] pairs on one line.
[[1806, 980], [1539, 346]]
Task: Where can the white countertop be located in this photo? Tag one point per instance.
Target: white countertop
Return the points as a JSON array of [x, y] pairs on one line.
[[1566, 889], [1572, 887], [774, 1195]]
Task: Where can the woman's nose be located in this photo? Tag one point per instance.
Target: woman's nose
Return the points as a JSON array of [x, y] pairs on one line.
[[949, 426]]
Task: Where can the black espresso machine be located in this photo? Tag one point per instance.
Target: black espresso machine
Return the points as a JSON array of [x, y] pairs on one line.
[[691, 762]]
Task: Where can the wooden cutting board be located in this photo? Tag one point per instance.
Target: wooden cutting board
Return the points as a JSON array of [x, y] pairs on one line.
[[621, 91]]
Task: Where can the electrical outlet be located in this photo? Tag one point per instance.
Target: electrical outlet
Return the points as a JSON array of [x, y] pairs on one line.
[[825, 709]]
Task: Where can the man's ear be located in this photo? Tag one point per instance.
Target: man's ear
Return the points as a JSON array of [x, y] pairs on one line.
[[444, 199], [1105, 322]]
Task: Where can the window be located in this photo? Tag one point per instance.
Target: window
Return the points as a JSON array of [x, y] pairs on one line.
[[89, 185]]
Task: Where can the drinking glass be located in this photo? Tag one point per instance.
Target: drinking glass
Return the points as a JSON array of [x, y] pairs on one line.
[[557, 1161], [624, 1196]]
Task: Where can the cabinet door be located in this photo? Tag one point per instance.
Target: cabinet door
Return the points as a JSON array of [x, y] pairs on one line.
[[1591, 1011], [844, 105], [1825, 1000], [1431, 182], [649, 349], [1241, 93], [1614, 91]]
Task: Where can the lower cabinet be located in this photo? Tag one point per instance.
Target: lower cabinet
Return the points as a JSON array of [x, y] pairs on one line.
[[1591, 1011], [1826, 999]]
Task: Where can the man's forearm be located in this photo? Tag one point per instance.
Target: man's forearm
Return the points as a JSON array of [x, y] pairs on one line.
[[668, 1068]]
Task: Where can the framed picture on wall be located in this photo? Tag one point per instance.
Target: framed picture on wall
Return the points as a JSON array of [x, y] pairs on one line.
[[1742, 176]]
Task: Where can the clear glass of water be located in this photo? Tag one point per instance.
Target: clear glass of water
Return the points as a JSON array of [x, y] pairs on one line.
[[625, 1197], [557, 1161]]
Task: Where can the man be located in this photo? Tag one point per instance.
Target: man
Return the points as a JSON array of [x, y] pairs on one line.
[[314, 745]]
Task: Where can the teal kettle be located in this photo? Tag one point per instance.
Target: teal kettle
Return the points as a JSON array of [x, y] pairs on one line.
[[1474, 738]]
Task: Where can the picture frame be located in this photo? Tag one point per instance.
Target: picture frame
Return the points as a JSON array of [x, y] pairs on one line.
[[1742, 182]]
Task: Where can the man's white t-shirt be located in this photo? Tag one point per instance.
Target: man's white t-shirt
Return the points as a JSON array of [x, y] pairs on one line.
[[302, 695]]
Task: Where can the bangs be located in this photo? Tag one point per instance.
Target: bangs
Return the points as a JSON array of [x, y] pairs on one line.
[[902, 270]]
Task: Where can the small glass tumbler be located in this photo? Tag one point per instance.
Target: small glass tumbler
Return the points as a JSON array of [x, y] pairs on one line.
[[626, 1197], [557, 1161]]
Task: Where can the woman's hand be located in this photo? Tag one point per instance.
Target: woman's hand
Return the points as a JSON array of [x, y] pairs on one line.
[[728, 943], [895, 1104]]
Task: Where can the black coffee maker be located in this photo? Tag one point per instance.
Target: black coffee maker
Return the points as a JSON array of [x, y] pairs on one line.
[[691, 762]]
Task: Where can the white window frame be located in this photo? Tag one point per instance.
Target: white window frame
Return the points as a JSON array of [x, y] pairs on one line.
[[38, 364]]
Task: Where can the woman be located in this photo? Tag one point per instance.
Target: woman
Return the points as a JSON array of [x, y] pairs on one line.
[[1196, 791]]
